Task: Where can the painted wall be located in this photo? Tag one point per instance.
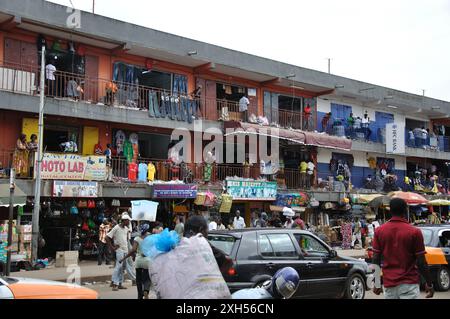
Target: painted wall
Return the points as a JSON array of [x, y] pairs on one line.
[[360, 168]]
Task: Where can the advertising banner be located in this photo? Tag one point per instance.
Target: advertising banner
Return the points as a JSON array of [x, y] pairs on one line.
[[73, 167], [144, 210], [291, 200], [73, 189], [252, 190], [174, 191], [395, 138]]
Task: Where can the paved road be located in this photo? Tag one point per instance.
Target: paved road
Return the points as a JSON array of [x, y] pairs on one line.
[[105, 292]]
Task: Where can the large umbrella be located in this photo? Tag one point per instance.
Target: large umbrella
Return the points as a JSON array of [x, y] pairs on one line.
[[439, 202], [409, 197], [380, 201]]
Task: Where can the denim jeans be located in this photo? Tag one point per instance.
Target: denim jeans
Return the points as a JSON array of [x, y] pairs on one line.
[[404, 291], [163, 106], [143, 282], [156, 104], [103, 253], [117, 276], [173, 108], [151, 108]]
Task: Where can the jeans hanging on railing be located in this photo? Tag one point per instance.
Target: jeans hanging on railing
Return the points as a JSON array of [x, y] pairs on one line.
[[151, 108], [156, 108]]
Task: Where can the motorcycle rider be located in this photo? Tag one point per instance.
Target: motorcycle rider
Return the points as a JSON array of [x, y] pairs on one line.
[[283, 285]]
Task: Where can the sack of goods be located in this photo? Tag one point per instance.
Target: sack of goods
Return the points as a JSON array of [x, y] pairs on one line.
[[189, 271]]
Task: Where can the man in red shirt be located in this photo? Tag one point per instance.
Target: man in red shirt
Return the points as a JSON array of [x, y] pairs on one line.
[[403, 251]]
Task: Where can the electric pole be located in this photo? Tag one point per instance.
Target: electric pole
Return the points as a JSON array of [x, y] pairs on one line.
[[39, 155], [329, 66], [10, 222]]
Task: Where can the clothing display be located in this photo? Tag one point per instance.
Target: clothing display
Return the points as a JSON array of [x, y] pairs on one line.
[[346, 231], [119, 141], [132, 172], [207, 173], [151, 171], [128, 151], [142, 172]]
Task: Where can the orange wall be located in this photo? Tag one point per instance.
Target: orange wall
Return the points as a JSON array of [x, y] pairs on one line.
[[108, 57]]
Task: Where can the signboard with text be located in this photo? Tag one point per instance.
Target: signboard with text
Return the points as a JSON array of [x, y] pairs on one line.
[[395, 138], [174, 191], [73, 167], [72, 189], [252, 190]]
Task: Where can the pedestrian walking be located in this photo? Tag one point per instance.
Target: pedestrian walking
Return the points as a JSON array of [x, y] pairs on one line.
[[143, 282], [103, 249], [401, 246], [118, 240], [212, 224], [357, 228], [179, 226]]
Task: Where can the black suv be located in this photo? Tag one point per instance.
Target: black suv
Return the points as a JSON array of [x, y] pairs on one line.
[[259, 252]]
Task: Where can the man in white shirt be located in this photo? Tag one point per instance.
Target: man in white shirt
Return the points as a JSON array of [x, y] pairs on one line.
[[118, 240], [50, 77], [244, 102], [238, 222], [365, 122], [212, 224]]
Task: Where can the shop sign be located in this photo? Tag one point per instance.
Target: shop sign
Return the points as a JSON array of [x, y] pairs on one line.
[[174, 191], [252, 190], [74, 189], [144, 210], [73, 167], [291, 200], [395, 138]]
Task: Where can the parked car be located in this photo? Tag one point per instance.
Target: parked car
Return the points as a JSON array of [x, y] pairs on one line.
[[23, 288], [437, 246], [259, 253]]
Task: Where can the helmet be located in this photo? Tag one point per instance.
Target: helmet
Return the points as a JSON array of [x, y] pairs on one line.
[[285, 283]]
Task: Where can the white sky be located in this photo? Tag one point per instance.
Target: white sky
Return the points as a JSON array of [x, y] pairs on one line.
[[402, 44]]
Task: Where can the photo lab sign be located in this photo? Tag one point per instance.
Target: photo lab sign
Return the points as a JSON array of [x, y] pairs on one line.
[[73, 167], [395, 138]]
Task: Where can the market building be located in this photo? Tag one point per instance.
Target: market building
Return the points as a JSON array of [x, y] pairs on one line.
[[116, 83]]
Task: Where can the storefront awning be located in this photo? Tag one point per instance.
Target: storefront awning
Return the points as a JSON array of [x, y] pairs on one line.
[[20, 198], [296, 136]]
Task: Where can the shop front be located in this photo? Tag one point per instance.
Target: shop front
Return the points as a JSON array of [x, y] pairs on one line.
[[174, 199]]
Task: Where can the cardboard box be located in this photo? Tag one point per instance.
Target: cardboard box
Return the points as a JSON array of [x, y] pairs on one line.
[[66, 258]]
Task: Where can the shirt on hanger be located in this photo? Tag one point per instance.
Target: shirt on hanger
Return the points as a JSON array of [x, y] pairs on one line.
[[151, 171], [142, 172]]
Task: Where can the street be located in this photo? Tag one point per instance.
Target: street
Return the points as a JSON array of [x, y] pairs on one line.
[[105, 292]]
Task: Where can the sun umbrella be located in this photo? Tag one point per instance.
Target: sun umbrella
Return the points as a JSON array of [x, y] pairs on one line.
[[409, 197], [380, 201], [439, 202]]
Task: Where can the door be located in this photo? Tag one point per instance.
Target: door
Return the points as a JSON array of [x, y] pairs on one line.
[[12, 53], [91, 80], [325, 276], [253, 106], [211, 103], [381, 119], [29, 56], [278, 251], [340, 112], [202, 83]]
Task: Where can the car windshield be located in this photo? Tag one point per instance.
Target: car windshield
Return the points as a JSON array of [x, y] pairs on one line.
[[224, 243], [427, 236]]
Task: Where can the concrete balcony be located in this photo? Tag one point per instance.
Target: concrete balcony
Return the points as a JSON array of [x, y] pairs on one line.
[[379, 148]]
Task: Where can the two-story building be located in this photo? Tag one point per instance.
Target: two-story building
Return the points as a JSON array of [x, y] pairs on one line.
[[111, 82]]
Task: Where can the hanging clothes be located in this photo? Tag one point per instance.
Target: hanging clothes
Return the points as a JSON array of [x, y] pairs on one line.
[[151, 171], [119, 141], [128, 151], [346, 232], [207, 172], [142, 175]]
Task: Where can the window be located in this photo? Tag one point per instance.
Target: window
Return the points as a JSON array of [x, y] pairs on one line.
[[54, 135], [276, 245], [224, 243], [444, 239], [311, 247]]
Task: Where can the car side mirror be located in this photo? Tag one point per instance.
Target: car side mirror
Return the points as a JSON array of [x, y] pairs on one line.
[[333, 253]]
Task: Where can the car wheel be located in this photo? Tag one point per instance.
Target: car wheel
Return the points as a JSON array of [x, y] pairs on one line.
[[443, 279], [355, 288]]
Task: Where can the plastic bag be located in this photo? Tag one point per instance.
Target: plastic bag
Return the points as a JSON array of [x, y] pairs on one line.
[[189, 271], [157, 244]]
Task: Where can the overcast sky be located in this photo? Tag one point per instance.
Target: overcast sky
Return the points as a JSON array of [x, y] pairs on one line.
[[402, 44]]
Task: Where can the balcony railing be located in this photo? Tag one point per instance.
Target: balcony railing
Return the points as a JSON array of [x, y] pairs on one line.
[[296, 120]]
